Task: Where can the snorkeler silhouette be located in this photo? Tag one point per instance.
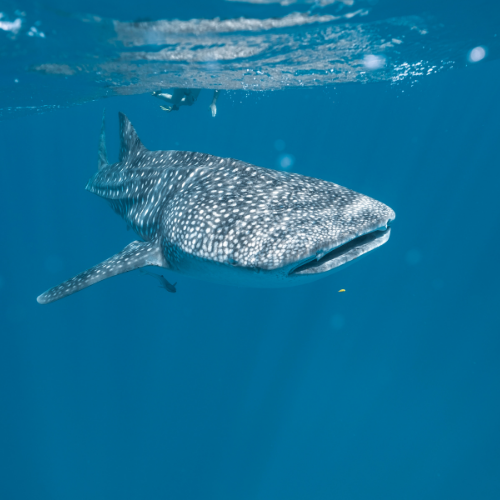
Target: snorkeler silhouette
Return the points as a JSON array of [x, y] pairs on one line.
[[183, 97], [178, 97]]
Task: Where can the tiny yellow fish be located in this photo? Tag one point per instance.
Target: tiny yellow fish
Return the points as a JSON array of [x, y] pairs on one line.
[[341, 290]]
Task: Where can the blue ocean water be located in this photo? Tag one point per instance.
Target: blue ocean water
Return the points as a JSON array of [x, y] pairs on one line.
[[387, 391]]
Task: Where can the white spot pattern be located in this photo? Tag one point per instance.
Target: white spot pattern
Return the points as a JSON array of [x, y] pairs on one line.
[[229, 211], [221, 210]]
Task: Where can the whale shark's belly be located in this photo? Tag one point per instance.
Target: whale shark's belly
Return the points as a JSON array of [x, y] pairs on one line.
[[235, 275]]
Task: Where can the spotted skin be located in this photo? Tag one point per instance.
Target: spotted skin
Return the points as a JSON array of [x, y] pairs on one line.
[[230, 221]]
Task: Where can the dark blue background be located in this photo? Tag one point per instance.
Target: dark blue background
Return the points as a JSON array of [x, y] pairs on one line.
[[387, 391]]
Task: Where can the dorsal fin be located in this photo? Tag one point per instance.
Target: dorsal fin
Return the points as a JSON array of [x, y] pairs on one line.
[[130, 144], [103, 155]]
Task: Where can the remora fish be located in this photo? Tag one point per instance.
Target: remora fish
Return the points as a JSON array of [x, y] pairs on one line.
[[162, 280], [226, 220]]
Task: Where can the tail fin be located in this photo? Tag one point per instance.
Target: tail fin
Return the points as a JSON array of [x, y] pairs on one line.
[[130, 144], [103, 155]]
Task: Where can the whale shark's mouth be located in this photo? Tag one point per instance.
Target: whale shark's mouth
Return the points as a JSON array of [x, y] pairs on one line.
[[344, 253]]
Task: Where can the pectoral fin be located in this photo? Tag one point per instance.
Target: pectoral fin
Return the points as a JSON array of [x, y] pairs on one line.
[[137, 254]]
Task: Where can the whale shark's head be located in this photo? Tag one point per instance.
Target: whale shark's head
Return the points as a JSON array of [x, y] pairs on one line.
[[288, 227], [325, 226]]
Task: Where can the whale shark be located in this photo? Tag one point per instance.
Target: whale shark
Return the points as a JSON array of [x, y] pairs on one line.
[[226, 220]]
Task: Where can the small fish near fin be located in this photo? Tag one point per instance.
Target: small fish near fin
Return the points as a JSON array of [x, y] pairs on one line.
[[130, 144], [137, 254], [163, 281]]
